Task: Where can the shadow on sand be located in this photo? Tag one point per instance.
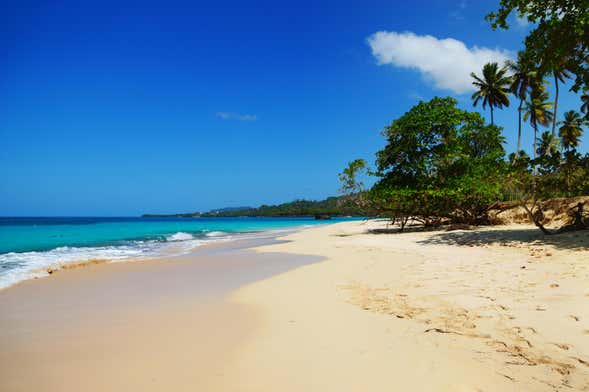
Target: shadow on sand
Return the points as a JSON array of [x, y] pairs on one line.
[[416, 228], [391, 230], [577, 240]]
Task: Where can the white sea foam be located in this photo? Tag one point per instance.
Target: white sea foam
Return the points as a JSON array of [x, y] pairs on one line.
[[180, 236], [16, 267], [215, 234]]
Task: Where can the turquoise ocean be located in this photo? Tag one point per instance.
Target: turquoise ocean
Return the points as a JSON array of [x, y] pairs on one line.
[[29, 246]]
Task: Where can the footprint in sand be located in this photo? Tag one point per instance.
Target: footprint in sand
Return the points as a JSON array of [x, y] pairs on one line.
[[562, 346], [582, 361]]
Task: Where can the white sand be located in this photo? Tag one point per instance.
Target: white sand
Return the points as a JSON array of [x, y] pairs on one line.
[[418, 312]]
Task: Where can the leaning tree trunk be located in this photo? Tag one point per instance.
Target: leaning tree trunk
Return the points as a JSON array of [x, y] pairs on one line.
[[555, 106], [536, 216]]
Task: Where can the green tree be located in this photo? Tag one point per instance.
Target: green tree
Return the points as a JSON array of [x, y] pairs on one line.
[[537, 111], [560, 31], [349, 177], [522, 80], [548, 162], [519, 177], [547, 165], [492, 88], [440, 162], [559, 74], [352, 187], [546, 144], [571, 130]]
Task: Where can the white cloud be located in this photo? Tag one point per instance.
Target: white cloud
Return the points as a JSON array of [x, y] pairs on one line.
[[236, 116], [445, 62]]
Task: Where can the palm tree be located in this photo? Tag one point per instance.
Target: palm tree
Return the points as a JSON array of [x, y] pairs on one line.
[[522, 79], [492, 88], [560, 74], [570, 132], [546, 144], [537, 111], [571, 129]]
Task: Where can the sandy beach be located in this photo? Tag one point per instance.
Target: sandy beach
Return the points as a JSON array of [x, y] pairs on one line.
[[342, 307]]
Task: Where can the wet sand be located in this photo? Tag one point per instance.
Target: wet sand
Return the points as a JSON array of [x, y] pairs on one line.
[[155, 325]]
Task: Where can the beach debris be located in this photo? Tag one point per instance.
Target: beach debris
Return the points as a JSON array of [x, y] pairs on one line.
[[438, 330], [506, 376], [582, 361]]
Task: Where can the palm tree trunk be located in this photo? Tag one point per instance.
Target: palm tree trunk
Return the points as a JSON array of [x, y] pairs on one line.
[[568, 180], [534, 146], [492, 122], [555, 105], [519, 129], [567, 172]]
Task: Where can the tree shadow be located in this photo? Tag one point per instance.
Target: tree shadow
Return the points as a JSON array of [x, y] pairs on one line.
[[576, 240], [395, 229], [407, 229], [390, 229]]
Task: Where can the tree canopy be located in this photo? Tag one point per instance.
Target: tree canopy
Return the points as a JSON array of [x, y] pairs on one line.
[[440, 162], [560, 37]]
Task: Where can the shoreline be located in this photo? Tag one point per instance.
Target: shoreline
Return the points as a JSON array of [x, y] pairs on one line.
[[333, 307], [162, 324], [173, 249]]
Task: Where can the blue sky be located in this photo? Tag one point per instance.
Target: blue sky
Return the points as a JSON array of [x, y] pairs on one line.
[[120, 108]]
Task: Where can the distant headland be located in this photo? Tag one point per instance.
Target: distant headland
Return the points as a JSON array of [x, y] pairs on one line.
[[330, 207]]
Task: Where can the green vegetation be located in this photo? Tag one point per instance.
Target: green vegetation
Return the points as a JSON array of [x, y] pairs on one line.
[[440, 163], [332, 206], [559, 42], [443, 164]]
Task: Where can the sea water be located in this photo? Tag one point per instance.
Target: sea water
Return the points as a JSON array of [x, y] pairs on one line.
[[31, 246]]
